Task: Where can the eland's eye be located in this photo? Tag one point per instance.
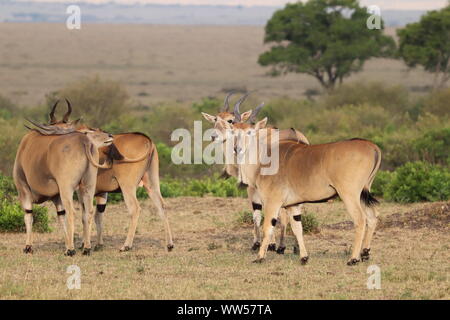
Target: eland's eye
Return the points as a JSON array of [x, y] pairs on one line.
[[230, 121]]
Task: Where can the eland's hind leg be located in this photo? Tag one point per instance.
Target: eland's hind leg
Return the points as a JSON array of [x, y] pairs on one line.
[[61, 213], [353, 204], [66, 194], [100, 200], [129, 196], [372, 220], [26, 201], [153, 190]]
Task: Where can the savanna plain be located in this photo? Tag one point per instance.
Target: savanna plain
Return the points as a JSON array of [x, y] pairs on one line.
[[212, 258]]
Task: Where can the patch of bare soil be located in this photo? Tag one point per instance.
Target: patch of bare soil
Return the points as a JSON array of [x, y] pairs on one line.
[[431, 215]]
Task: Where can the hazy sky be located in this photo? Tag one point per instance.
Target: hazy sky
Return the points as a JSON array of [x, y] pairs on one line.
[[383, 4]]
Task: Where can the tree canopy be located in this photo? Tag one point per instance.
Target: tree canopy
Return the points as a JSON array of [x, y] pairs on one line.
[[427, 43], [328, 39]]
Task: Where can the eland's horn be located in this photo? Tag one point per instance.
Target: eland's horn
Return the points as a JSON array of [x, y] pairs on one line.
[[52, 113], [237, 113], [226, 104], [69, 111], [255, 112]]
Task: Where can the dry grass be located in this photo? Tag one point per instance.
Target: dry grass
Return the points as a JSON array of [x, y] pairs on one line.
[[157, 63], [212, 259]]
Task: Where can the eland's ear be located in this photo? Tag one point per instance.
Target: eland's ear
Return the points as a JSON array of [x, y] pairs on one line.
[[246, 115], [209, 117], [261, 124]]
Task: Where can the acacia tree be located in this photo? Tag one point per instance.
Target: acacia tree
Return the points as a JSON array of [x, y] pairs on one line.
[[427, 43], [327, 39]]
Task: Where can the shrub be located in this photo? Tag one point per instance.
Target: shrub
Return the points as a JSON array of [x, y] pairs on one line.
[[12, 214], [310, 223], [434, 146], [437, 103], [382, 180], [419, 181], [97, 101], [244, 218], [392, 98]]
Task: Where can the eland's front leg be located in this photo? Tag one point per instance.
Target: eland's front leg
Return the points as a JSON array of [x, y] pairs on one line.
[[270, 221]]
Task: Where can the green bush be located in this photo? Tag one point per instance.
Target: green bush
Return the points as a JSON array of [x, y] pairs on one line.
[[392, 98], [310, 223], [12, 214], [244, 218], [96, 100], [434, 146], [419, 181], [437, 103], [382, 180]]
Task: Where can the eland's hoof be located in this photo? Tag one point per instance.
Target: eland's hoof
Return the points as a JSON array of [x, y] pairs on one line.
[[170, 247], [304, 260], [86, 251], [98, 247], [352, 262], [125, 248], [256, 246], [259, 260], [272, 247], [365, 254], [28, 249], [70, 253], [280, 250]]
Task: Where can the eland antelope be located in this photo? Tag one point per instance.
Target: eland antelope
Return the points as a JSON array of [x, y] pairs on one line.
[[130, 161], [310, 174], [232, 169], [50, 164]]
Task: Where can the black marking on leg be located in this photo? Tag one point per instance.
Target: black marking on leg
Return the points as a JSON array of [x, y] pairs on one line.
[[280, 250], [170, 247], [298, 217], [352, 262], [256, 206], [70, 253], [256, 246], [304, 260], [296, 250], [272, 247], [274, 222], [101, 207], [28, 249], [87, 252], [61, 213], [28, 211], [365, 255]]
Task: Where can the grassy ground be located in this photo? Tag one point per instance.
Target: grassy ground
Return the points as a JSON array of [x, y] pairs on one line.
[[158, 63], [212, 257]]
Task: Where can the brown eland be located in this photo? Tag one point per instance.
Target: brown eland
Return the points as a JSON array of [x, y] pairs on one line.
[[310, 174]]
